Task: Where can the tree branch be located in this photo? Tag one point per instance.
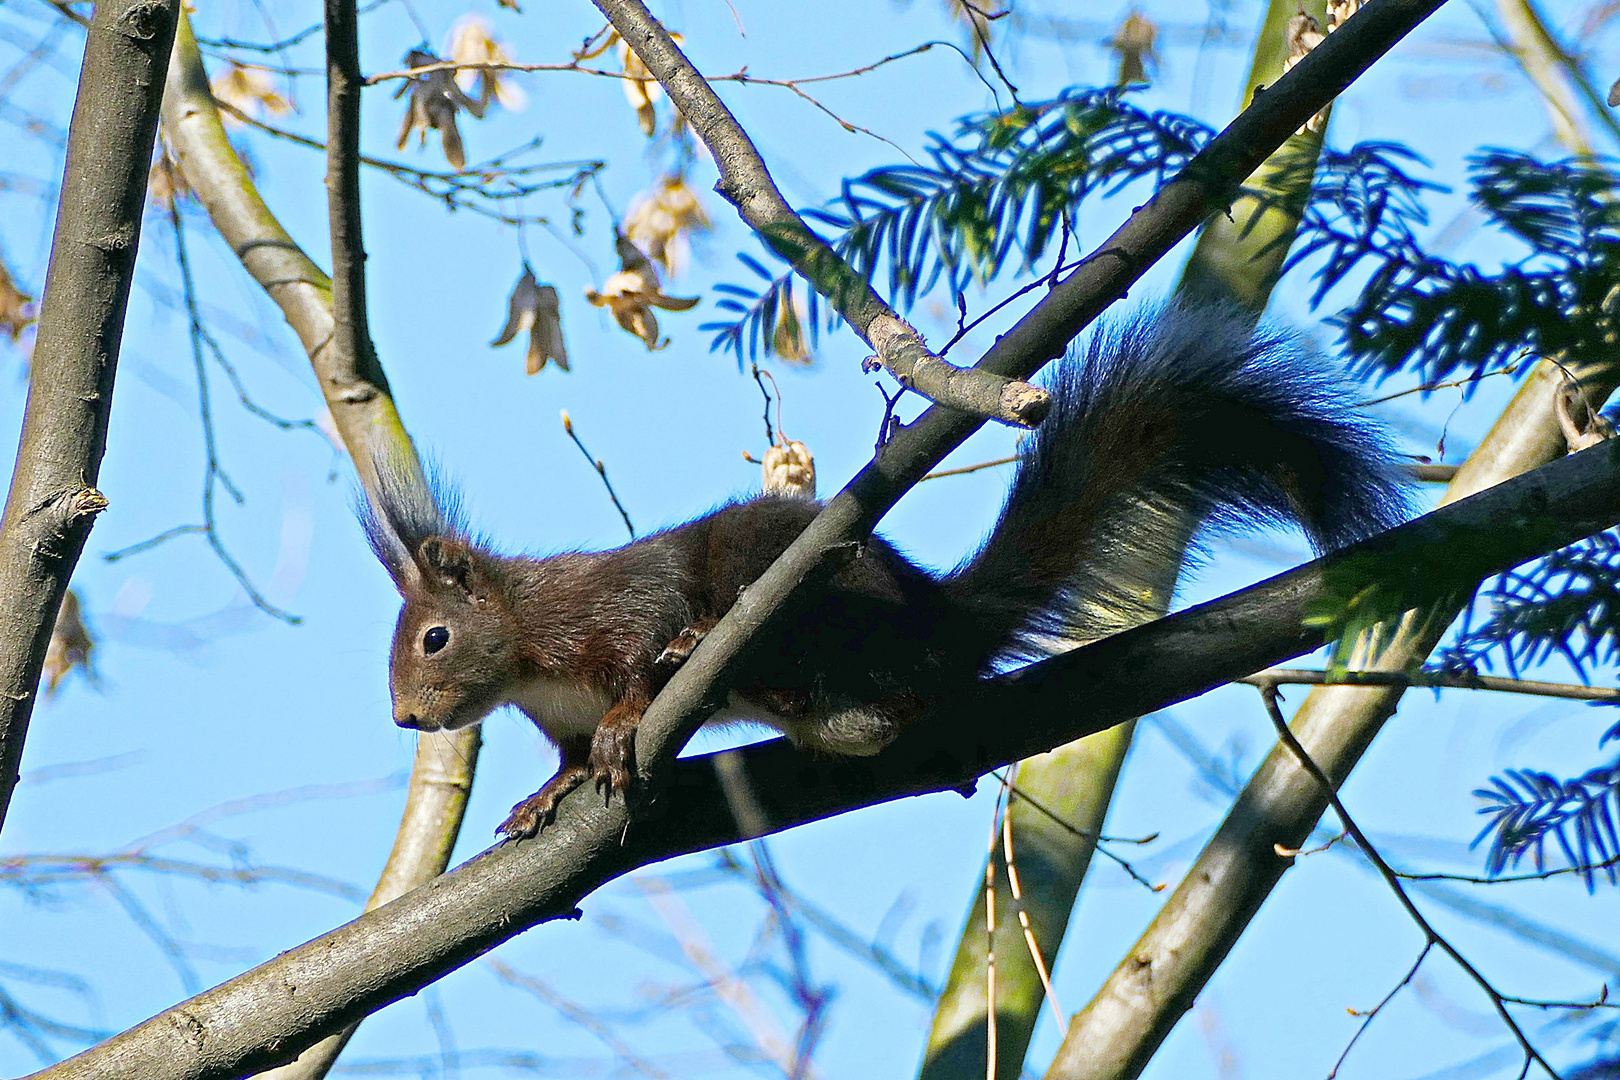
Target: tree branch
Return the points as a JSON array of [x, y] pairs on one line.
[[53, 500], [269, 1013], [747, 184], [365, 417]]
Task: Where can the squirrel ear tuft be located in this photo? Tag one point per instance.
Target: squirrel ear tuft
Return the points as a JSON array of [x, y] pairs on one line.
[[446, 563]]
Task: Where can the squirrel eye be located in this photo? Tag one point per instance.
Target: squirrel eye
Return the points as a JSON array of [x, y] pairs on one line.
[[436, 638]]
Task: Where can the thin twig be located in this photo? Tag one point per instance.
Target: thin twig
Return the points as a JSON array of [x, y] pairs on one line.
[[573, 1012], [1269, 695], [1507, 369], [845, 938], [213, 471], [457, 189], [1447, 680], [1030, 943], [1372, 1014], [965, 469], [1098, 841], [1508, 879], [601, 470]]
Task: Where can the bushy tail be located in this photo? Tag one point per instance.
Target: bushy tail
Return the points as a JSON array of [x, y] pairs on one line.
[[1181, 420]]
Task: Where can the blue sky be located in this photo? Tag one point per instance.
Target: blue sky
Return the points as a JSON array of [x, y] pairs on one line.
[[204, 700]]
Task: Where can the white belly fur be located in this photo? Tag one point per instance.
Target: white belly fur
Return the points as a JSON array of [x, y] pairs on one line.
[[562, 710]]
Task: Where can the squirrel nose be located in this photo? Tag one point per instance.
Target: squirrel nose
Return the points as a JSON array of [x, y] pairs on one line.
[[407, 720]]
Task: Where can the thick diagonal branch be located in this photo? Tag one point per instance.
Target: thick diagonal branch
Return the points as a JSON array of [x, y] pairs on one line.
[[53, 499], [271, 1012], [747, 184]]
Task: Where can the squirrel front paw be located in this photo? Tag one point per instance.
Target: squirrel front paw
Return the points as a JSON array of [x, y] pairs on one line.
[[613, 753], [537, 811]]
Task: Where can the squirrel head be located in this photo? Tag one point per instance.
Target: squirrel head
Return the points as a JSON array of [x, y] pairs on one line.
[[455, 655]]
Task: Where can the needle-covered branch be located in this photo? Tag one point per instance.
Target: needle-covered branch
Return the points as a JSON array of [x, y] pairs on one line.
[[271, 1012], [1118, 1032], [747, 184], [53, 500]]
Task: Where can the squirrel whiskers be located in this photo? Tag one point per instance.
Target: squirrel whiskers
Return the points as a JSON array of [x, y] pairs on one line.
[[1178, 421]]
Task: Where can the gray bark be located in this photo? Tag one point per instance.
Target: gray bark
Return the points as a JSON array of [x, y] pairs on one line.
[[53, 500]]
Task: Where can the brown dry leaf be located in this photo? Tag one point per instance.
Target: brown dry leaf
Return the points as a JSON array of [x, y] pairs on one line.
[[473, 41], [1340, 10], [1304, 34], [165, 182], [70, 645], [249, 90], [534, 307], [977, 15], [641, 90], [788, 338], [662, 218], [789, 469], [17, 310], [633, 291], [1133, 42], [434, 101]]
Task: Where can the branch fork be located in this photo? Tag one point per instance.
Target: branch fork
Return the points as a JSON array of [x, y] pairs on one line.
[[746, 183]]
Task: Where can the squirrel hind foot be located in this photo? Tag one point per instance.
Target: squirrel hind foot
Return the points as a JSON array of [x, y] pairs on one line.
[[836, 726]]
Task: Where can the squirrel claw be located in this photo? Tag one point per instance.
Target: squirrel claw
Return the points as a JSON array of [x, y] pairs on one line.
[[533, 814], [676, 652]]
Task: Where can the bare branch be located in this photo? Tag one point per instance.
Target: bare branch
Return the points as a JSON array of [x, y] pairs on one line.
[[601, 471], [747, 184], [364, 414], [53, 500], [1453, 680]]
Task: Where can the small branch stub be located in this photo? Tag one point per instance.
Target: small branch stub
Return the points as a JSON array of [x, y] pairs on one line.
[[746, 183], [902, 352]]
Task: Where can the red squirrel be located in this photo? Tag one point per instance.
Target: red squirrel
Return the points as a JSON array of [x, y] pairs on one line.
[[1173, 422]]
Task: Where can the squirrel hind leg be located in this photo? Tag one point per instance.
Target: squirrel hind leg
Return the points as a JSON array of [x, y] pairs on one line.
[[837, 727], [681, 646]]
